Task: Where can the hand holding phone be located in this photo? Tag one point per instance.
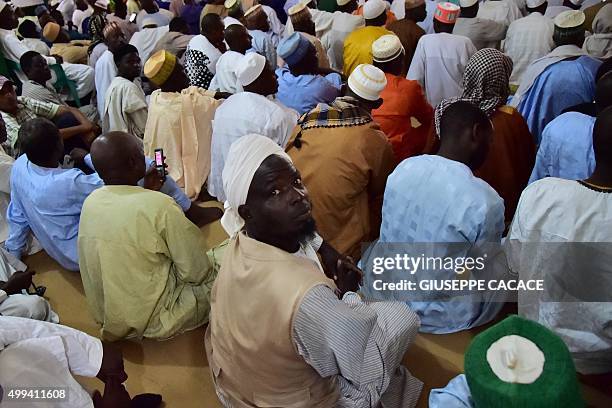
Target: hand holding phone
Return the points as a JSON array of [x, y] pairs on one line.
[[160, 163]]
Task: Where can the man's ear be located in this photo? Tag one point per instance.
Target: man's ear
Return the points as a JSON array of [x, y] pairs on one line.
[[244, 212]]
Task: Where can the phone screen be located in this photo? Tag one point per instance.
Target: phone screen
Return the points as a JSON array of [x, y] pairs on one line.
[[159, 163], [132, 17]]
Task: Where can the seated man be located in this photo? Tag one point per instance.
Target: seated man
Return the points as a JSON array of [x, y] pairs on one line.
[[47, 199], [256, 20], [405, 115], [37, 70], [566, 150], [177, 38], [31, 38], [204, 50], [303, 340], [151, 11], [125, 227], [106, 70], [14, 279], [125, 105], [13, 49], [345, 159], [563, 78], [301, 19], [180, 122], [146, 39], [61, 353], [302, 84], [238, 40], [439, 59], [561, 233], [248, 112], [76, 130], [74, 52], [358, 44], [437, 199]]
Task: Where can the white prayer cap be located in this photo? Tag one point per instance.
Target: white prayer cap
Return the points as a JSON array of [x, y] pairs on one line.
[[229, 3], [26, 3], [387, 48], [2, 5], [570, 19], [229, 21], [253, 9], [250, 68], [467, 3], [244, 158], [367, 81], [410, 4], [103, 4], [296, 8], [149, 22], [535, 3], [342, 2], [577, 2], [373, 9]]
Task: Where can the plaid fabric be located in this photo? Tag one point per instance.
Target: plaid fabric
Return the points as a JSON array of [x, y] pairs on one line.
[[28, 109], [343, 112], [485, 83]]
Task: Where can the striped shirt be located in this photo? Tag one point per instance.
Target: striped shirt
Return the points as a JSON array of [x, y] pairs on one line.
[[27, 108]]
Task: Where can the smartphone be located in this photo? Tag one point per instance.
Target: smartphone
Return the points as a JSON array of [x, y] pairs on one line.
[[132, 17], [160, 163]]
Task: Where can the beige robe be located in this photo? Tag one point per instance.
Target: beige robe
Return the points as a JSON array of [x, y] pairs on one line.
[[181, 124], [345, 170]]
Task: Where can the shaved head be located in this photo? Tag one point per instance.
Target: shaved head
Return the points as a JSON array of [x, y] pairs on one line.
[[118, 158]]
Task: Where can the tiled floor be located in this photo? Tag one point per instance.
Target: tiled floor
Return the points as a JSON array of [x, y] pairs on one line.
[[178, 369]]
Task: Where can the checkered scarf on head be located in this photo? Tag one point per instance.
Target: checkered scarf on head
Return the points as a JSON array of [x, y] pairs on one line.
[[485, 83]]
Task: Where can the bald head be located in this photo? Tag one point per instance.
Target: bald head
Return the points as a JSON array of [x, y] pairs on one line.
[[602, 138], [118, 158], [237, 38], [603, 92]]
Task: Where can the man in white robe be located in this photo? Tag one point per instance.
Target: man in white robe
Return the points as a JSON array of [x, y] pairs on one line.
[[105, 68], [440, 59], [125, 106], [528, 39], [146, 39], [238, 40], [60, 353], [204, 50], [484, 33], [561, 234], [12, 49], [248, 112]]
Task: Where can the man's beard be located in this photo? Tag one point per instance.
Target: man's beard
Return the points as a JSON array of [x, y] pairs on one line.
[[307, 232]]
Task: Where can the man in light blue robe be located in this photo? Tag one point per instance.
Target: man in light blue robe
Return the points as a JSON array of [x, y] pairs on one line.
[[566, 149], [437, 199], [46, 199], [300, 86], [561, 85]]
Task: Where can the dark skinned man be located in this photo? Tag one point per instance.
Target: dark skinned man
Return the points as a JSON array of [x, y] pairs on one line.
[[358, 44], [248, 112], [407, 29], [167, 289], [51, 209], [37, 70], [180, 122], [289, 344], [338, 147], [302, 84], [204, 51], [238, 39]]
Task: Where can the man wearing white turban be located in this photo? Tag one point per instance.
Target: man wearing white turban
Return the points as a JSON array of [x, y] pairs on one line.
[[301, 337]]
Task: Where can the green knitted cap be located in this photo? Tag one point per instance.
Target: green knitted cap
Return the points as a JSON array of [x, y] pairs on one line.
[[557, 386]]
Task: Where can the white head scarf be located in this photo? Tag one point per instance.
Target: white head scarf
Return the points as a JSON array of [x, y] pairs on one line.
[[599, 44], [244, 158]]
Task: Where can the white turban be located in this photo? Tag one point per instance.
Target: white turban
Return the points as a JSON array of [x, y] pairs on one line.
[[244, 158]]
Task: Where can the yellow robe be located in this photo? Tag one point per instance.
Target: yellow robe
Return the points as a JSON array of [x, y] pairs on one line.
[[358, 46], [181, 124]]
